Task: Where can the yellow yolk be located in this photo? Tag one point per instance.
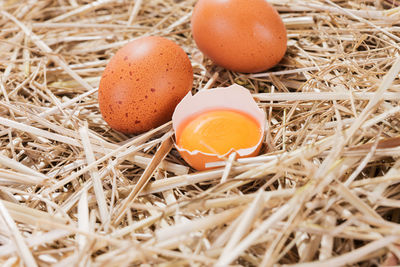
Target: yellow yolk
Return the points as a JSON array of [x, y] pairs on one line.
[[218, 131]]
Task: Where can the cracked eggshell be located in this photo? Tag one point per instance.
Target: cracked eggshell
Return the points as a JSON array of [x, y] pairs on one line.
[[234, 97]]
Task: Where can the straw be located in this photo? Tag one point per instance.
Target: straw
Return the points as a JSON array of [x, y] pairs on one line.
[[323, 191]]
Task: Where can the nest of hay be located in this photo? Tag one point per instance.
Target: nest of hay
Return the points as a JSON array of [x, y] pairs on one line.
[[324, 191]]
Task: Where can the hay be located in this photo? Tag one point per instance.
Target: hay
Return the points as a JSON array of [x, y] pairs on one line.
[[324, 191]]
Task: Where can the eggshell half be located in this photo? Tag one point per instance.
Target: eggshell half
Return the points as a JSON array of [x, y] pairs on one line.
[[234, 97]]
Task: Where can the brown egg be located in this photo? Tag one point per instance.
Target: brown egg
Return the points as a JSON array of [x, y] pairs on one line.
[[142, 84], [240, 35]]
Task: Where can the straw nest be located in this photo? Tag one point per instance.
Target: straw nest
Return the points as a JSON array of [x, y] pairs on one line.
[[324, 191]]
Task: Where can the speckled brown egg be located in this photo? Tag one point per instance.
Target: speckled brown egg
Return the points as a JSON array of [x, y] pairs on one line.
[[142, 84]]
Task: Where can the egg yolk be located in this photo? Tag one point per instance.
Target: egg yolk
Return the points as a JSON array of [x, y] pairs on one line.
[[218, 131]]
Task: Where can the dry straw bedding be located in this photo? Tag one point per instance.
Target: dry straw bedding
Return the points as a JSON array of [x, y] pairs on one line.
[[324, 192]]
